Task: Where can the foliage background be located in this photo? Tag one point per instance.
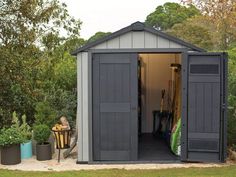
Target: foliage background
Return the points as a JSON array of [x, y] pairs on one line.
[[38, 74]]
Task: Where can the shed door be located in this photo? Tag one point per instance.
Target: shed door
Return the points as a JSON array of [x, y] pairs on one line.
[[203, 107], [115, 106]]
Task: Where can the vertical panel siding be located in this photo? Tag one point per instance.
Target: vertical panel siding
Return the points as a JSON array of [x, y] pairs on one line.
[[85, 88], [101, 46], [200, 108], [139, 39], [118, 92], [83, 106], [79, 107], [162, 43], [215, 107], [126, 40], [114, 43], [150, 40], [203, 107]]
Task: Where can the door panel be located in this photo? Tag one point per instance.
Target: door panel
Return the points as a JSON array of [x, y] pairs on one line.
[[202, 107], [115, 106]]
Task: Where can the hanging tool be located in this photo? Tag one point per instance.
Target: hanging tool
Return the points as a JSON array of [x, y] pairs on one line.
[[176, 68], [162, 100]]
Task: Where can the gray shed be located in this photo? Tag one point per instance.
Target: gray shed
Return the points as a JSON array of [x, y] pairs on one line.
[[120, 79]]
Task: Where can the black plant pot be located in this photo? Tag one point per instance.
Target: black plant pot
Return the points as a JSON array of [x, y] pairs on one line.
[[10, 155], [43, 151]]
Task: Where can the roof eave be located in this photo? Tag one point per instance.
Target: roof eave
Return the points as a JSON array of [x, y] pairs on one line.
[[137, 26], [99, 41]]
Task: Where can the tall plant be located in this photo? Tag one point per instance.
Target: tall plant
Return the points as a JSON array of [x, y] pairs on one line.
[[232, 98], [45, 114], [22, 126]]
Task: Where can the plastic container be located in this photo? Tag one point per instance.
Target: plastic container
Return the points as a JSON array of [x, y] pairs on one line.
[[26, 150]]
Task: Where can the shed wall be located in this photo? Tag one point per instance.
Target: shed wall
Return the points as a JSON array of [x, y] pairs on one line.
[[83, 106], [141, 39], [130, 40]]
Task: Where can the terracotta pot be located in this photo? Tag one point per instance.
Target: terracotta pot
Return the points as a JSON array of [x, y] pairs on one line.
[[10, 155]]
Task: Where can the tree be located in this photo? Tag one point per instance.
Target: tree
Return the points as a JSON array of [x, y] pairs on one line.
[[98, 35], [193, 32], [222, 14], [56, 77], [29, 28], [164, 17]]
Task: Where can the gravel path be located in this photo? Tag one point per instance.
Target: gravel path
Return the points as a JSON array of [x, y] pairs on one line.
[[70, 164]]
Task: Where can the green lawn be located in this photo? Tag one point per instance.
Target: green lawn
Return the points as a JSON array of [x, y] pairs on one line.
[[229, 171]]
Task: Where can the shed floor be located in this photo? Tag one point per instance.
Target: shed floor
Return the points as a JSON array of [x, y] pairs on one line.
[[154, 149]]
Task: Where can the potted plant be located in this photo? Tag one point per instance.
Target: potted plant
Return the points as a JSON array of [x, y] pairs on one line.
[[10, 139], [26, 147], [25, 129], [45, 114], [41, 133]]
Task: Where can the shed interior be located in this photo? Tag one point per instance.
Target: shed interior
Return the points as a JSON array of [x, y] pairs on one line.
[[159, 79]]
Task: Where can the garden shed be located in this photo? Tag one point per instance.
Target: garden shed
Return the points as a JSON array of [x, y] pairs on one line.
[[136, 85]]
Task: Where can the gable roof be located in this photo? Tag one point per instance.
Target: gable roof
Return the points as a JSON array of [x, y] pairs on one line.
[[137, 26]]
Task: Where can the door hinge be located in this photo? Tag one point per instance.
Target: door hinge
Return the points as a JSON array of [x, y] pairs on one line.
[[223, 106]]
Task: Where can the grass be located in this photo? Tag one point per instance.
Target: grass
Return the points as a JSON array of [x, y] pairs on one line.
[[226, 171]]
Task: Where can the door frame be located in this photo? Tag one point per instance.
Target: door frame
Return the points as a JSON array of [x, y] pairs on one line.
[[223, 103], [91, 52]]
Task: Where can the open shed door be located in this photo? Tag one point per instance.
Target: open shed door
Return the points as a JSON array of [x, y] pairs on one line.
[[203, 109], [115, 102]]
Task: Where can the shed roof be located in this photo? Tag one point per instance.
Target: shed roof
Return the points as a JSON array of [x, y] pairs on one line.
[[137, 26]]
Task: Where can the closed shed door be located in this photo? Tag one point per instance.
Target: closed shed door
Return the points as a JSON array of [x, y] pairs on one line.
[[203, 107], [115, 106]]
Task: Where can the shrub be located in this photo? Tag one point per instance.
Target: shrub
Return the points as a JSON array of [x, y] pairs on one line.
[[10, 136], [22, 126], [41, 133], [232, 98], [64, 103], [45, 114], [17, 133]]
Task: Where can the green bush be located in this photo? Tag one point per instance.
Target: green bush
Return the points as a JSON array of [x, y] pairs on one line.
[[45, 114], [10, 136], [232, 98], [41, 133], [15, 98], [64, 103], [17, 133]]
